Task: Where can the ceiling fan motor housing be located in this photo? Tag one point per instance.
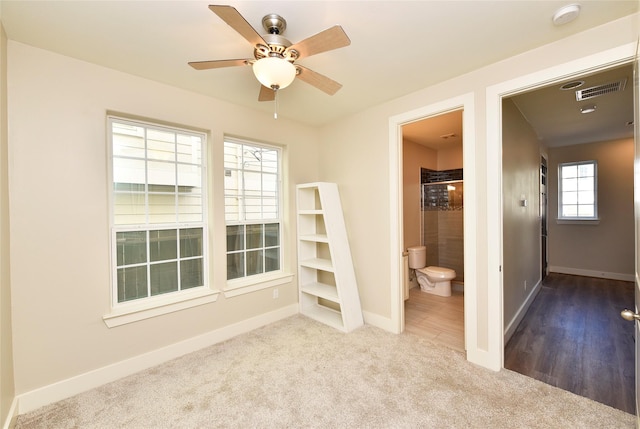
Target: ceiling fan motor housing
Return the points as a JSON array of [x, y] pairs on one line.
[[276, 47]]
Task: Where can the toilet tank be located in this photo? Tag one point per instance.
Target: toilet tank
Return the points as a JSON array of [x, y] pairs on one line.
[[417, 257]]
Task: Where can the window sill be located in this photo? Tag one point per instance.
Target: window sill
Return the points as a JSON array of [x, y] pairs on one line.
[[252, 284], [595, 221], [134, 312]]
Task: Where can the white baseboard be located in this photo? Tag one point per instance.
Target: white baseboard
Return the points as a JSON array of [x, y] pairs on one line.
[[592, 273], [72, 386], [12, 416], [513, 324], [378, 321]]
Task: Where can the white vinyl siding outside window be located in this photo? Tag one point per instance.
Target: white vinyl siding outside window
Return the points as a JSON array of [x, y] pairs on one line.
[[252, 208], [577, 193], [158, 214]]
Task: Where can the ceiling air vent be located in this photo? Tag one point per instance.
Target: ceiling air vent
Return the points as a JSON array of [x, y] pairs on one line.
[[595, 91]]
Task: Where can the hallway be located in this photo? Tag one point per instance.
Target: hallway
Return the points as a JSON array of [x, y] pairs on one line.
[[573, 337]]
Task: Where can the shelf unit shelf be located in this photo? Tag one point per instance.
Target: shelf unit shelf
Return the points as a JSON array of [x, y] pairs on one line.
[[328, 288]]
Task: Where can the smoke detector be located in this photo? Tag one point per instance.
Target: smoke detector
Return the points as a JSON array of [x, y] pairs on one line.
[[566, 14]]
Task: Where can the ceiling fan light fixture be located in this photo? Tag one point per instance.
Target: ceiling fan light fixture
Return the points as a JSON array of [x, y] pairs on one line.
[[274, 72]]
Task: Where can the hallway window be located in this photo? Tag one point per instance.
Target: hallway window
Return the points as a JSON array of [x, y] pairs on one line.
[[252, 208], [158, 210], [577, 193]]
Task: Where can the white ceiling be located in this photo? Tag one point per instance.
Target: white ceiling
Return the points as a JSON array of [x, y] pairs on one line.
[[397, 47]]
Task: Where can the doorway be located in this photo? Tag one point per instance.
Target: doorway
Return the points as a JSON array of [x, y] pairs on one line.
[[557, 152], [433, 213], [466, 104]]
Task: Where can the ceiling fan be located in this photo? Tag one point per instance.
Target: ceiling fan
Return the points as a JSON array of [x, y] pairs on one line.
[[274, 56]]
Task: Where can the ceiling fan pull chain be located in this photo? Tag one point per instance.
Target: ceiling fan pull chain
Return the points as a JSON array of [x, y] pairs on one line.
[[275, 102]]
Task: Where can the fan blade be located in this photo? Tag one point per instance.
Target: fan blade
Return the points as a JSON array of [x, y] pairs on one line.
[[321, 82], [327, 40], [216, 64], [231, 16], [266, 94]]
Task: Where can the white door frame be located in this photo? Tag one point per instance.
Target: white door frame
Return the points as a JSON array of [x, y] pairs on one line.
[[466, 104], [610, 58]]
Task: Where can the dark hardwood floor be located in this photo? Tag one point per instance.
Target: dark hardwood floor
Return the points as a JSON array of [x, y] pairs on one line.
[[573, 338]]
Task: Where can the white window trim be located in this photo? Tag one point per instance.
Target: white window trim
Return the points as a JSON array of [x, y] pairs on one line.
[[156, 306], [256, 282], [132, 311], [565, 220]]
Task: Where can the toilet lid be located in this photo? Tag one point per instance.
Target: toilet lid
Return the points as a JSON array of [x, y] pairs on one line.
[[439, 270]]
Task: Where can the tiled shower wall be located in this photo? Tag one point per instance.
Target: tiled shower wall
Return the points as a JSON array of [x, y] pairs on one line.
[[443, 221]]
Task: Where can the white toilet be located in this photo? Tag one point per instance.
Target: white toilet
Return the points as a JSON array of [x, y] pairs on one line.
[[435, 280]]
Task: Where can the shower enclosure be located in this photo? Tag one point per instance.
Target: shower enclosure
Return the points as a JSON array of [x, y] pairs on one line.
[[443, 225]]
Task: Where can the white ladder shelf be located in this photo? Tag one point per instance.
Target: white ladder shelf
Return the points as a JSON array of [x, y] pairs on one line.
[[328, 288]]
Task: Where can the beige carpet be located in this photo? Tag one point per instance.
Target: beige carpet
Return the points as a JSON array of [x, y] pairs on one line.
[[298, 373]]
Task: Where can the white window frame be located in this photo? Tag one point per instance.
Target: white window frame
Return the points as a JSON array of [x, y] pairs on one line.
[[578, 219], [251, 283], [155, 305]]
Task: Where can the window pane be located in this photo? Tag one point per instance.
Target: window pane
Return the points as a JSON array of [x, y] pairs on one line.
[[190, 242], [569, 171], [254, 236], [161, 145], [586, 197], [131, 248], [162, 208], [254, 262], [161, 173], [569, 184], [191, 273], [235, 238], [569, 198], [272, 259], [128, 171], [163, 245], [252, 158], [271, 234], [189, 149], [269, 161], [128, 140], [585, 184], [189, 208], [585, 211], [129, 208], [235, 265], [252, 182], [585, 170], [164, 278], [190, 177], [569, 211], [132, 283]]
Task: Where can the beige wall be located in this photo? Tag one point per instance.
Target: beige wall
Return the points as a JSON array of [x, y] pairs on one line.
[[7, 391], [59, 212], [606, 249], [365, 182], [520, 225], [414, 157]]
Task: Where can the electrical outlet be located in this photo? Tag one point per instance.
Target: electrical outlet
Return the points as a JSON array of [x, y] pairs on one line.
[[275, 293]]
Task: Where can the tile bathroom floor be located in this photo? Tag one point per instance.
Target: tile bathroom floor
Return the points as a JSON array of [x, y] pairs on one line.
[[441, 319]]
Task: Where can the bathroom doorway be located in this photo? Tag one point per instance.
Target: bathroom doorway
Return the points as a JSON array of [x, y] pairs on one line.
[[433, 216]]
